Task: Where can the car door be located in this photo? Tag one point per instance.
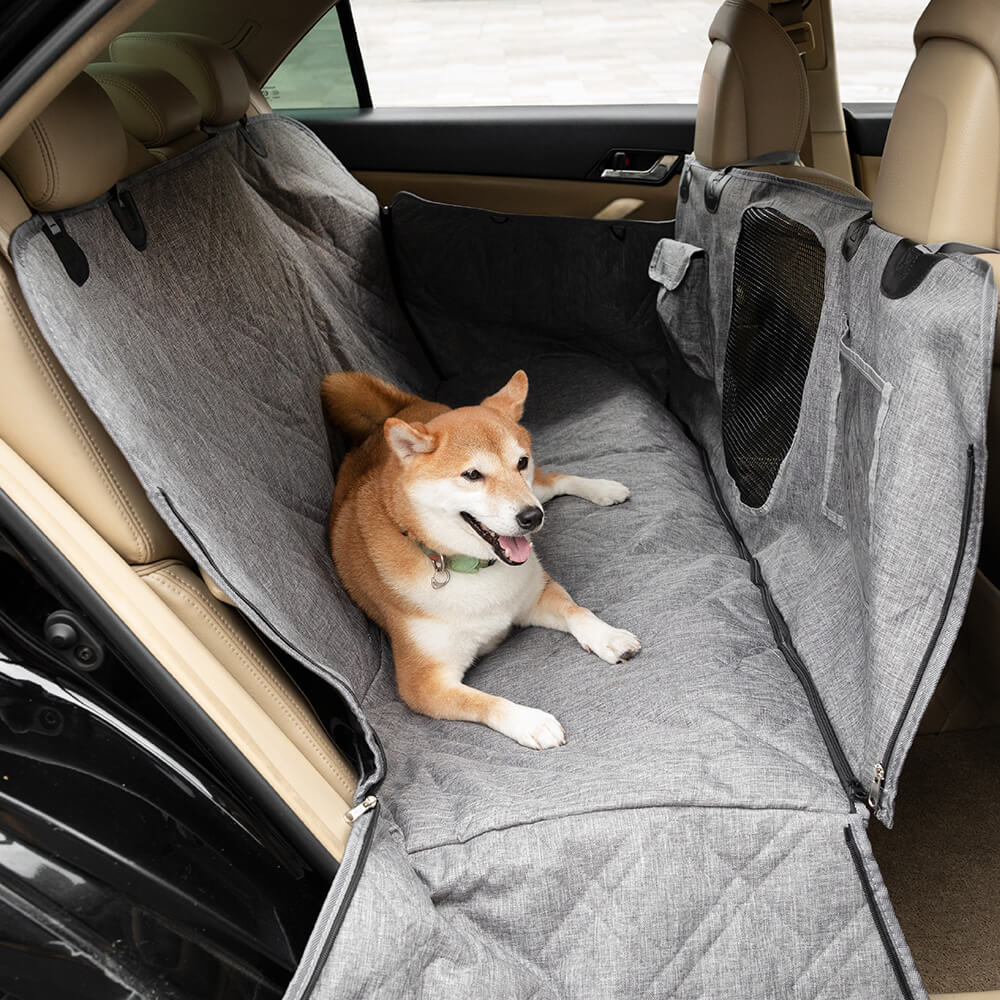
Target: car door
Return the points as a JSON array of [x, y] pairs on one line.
[[445, 143]]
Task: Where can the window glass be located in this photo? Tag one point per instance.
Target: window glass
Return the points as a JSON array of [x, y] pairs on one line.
[[874, 46], [316, 73], [443, 53], [440, 53]]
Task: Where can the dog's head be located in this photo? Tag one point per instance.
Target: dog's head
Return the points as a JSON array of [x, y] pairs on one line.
[[467, 475]]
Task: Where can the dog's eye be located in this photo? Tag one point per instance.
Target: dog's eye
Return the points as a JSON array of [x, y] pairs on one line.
[[472, 475], [522, 463]]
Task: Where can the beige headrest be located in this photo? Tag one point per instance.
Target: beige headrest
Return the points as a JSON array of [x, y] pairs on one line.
[[209, 70], [938, 180], [154, 106], [72, 152], [754, 96]]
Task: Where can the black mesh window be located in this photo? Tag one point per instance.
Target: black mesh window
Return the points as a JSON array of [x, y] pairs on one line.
[[777, 300]]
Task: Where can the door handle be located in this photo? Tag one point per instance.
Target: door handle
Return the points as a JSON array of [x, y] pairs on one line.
[[659, 173]]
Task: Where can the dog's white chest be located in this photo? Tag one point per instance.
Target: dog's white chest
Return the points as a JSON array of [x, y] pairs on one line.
[[473, 612]]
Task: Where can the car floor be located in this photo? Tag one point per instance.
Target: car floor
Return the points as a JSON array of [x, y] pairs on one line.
[[940, 859]]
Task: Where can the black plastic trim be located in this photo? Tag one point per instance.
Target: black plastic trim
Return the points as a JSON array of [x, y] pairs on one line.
[[880, 925], [36, 62], [867, 127], [963, 543], [567, 143], [356, 61], [36, 544], [783, 639]]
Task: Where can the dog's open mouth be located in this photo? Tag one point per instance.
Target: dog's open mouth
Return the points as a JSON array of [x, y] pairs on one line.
[[511, 549]]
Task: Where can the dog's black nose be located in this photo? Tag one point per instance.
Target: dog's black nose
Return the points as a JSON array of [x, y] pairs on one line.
[[530, 518]]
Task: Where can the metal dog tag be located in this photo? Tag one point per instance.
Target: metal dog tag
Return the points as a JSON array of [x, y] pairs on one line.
[[441, 574]]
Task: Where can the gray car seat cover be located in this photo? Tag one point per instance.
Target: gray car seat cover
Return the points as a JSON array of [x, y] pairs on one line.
[[692, 838]]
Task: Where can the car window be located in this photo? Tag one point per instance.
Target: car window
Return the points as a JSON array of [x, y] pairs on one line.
[[317, 72], [874, 46], [440, 53], [447, 53]]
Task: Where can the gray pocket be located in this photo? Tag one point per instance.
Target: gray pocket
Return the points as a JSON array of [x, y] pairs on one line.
[[853, 454], [682, 271]]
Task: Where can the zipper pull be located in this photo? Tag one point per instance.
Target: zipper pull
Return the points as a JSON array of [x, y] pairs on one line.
[[878, 780], [369, 803]]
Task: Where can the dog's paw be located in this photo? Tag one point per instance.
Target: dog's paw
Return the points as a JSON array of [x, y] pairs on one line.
[[606, 492], [531, 727], [615, 645]]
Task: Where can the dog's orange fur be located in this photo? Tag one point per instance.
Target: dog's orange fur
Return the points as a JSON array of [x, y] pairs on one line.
[[374, 524]]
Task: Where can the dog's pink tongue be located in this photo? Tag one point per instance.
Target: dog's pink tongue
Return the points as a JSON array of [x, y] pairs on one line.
[[518, 548]]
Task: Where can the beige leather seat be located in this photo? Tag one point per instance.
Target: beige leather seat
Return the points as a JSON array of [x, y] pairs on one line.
[[754, 96], [155, 108], [74, 152], [211, 72], [940, 182]]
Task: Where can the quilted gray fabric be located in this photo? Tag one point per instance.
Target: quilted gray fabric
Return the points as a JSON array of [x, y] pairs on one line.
[[693, 838]]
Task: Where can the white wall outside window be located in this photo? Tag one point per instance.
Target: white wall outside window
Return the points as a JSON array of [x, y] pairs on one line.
[[441, 53]]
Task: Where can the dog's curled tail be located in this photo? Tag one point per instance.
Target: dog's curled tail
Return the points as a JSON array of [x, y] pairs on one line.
[[358, 403]]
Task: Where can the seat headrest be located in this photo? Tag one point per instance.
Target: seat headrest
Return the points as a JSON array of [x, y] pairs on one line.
[[154, 106], [209, 70], [938, 180], [72, 152], [754, 95]]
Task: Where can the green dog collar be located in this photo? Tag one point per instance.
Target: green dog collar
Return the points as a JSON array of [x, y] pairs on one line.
[[458, 564]]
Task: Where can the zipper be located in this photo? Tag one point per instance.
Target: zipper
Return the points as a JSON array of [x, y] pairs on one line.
[[853, 788], [880, 924], [369, 805], [880, 769], [878, 782]]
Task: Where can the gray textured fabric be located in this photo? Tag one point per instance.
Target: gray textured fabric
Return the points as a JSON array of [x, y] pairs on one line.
[[508, 278], [864, 524], [690, 838]]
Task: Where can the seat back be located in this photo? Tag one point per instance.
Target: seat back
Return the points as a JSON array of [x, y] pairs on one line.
[[938, 179], [754, 96], [939, 183], [73, 153]]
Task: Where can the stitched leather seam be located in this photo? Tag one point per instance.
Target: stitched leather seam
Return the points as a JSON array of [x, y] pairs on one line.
[[265, 676], [190, 52], [141, 98], [77, 424], [41, 137]]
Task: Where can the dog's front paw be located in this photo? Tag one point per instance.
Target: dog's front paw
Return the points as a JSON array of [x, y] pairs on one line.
[[531, 727], [614, 645], [606, 492]]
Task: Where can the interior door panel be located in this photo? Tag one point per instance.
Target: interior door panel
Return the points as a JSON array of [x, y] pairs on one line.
[[521, 160], [542, 160]]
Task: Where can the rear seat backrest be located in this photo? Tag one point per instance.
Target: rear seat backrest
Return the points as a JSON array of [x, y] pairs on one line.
[[73, 152], [155, 107], [208, 70]]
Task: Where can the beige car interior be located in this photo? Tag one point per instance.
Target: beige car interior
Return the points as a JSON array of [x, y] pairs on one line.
[[66, 472], [132, 94]]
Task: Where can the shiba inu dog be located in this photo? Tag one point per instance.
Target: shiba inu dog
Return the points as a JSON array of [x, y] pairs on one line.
[[430, 532]]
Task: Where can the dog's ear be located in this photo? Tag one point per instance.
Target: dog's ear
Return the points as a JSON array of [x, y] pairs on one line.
[[509, 401], [407, 440]]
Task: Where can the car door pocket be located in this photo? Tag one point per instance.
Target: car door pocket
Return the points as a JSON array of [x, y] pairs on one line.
[[859, 411], [681, 269]]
